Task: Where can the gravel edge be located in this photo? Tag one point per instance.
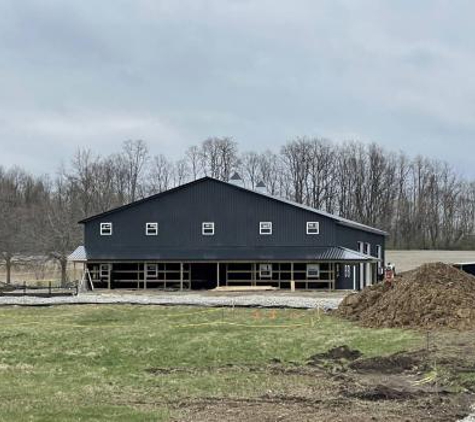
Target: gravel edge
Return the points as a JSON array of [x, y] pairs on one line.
[[262, 301]]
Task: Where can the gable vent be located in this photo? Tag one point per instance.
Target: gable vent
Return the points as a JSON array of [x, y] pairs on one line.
[[261, 187], [236, 180]]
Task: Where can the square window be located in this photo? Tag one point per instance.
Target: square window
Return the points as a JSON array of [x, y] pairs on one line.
[[313, 270], [104, 271], [106, 229], [313, 227], [265, 270], [151, 270], [207, 229], [347, 271], [265, 227], [151, 229]]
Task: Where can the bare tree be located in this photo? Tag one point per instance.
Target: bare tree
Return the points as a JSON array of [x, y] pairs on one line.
[[134, 159], [220, 157]]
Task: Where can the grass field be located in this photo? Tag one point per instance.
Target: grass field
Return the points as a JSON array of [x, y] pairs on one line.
[[127, 363]]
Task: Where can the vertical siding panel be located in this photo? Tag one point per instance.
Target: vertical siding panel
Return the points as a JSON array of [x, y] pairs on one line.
[[236, 214]]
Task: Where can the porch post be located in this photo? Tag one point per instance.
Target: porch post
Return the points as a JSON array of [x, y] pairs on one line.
[[292, 280], [354, 277], [181, 276], [145, 275], [217, 273]]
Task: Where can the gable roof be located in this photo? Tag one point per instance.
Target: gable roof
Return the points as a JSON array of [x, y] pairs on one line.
[[340, 220]]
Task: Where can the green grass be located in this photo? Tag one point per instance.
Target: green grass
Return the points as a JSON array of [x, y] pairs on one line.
[[95, 362]]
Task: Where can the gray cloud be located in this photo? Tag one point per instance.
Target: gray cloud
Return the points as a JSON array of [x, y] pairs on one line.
[[97, 73]]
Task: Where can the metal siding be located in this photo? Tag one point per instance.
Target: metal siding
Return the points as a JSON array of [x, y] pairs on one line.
[[235, 212], [237, 253], [349, 237]]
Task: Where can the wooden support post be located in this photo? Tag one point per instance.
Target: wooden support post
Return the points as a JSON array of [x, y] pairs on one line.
[[181, 276], [108, 276], [292, 280], [227, 276], [332, 276], [144, 275], [217, 274]]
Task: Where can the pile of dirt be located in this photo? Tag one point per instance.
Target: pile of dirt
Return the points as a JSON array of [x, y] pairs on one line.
[[432, 296], [339, 354], [393, 364]]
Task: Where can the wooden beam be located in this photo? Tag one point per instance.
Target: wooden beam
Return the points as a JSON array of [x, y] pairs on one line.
[[181, 276], [217, 273], [145, 275]]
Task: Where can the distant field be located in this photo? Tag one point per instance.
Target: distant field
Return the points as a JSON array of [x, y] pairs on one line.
[[34, 272], [409, 259]]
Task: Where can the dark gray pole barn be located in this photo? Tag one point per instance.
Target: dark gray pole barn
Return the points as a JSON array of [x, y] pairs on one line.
[[209, 233]]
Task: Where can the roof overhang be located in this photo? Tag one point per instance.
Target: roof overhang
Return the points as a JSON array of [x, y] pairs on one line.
[[234, 254], [79, 255]]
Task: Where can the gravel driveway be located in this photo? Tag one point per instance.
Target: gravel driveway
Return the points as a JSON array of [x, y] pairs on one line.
[[322, 300]]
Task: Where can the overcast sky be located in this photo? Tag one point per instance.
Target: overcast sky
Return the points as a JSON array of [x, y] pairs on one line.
[[173, 72]]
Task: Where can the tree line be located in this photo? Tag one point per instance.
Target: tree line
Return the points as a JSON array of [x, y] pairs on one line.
[[423, 203]]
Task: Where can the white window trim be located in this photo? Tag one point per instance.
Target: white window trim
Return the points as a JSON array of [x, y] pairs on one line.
[[313, 276], [153, 273], [204, 229], [151, 229], [309, 230], [268, 271], [368, 249], [262, 230], [105, 227], [104, 270]]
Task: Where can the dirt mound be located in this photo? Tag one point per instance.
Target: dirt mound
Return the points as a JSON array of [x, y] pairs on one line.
[[381, 392], [392, 364], [340, 353], [432, 296]]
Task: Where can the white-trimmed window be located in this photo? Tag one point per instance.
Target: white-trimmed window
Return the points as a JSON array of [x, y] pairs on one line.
[[360, 247], [265, 227], [207, 228], [347, 271], [104, 270], [151, 270], [313, 270], [313, 227], [265, 270], [151, 229], [106, 229]]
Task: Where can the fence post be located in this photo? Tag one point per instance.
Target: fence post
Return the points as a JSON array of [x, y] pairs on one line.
[[49, 288], [24, 288]]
